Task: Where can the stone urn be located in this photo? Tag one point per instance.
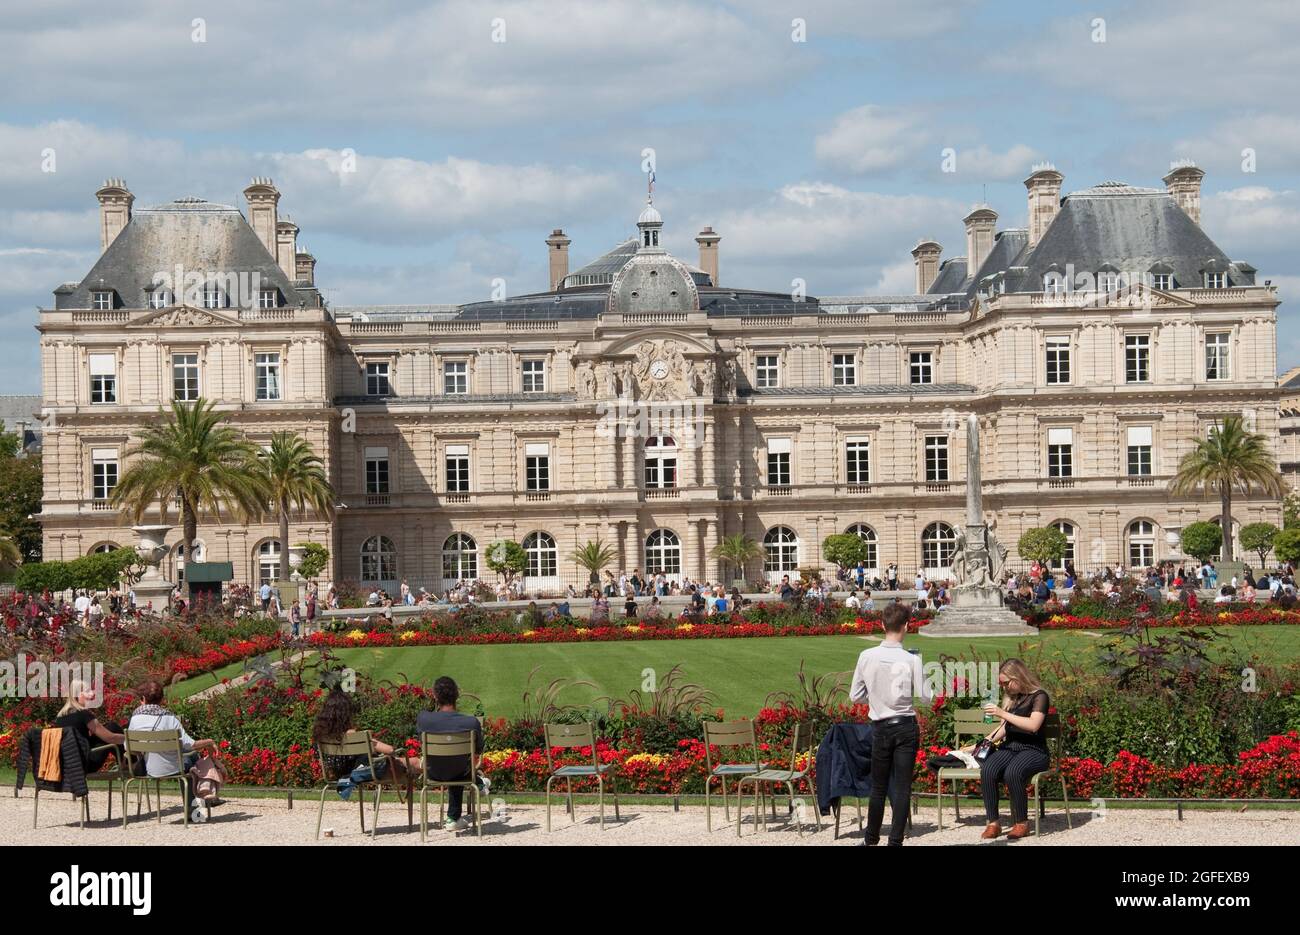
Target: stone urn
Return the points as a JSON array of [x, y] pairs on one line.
[[152, 590]]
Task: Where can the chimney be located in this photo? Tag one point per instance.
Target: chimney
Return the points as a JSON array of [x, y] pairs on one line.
[[1044, 185], [980, 224], [1184, 183], [305, 268], [926, 254], [708, 242], [114, 210], [262, 198], [558, 252], [286, 247]]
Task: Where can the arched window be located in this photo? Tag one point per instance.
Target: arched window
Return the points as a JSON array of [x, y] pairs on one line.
[[104, 547], [378, 559], [780, 550], [1141, 543], [1069, 530], [938, 543], [459, 558], [660, 461], [867, 535], [268, 561], [543, 560], [663, 553]]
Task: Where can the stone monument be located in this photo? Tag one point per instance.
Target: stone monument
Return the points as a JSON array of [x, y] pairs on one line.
[[152, 590], [977, 607]]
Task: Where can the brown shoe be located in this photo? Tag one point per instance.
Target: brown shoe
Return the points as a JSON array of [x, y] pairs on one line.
[[1019, 830], [991, 831]]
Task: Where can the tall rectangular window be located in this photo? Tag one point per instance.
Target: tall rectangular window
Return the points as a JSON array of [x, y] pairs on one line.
[[778, 461], [1060, 452], [1216, 356], [103, 378], [103, 472], [267, 367], [376, 470], [1058, 360], [936, 458], [534, 375], [921, 367], [844, 370], [185, 377], [455, 378], [857, 461], [1137, 358], [377, 378], [1139, 451], [537, 466], [767, 373], [456, 461]]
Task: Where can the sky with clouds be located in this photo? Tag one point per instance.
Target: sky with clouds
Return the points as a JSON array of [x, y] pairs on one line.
[[819, 159]]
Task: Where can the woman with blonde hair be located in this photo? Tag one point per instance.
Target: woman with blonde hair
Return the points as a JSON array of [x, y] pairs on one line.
[[1022, 749], [76, 715]]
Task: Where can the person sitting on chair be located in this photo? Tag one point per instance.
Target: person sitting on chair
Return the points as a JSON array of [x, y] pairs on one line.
[[152, 716], [77, 714], [447, 720], [1022, 751], [334, 721]]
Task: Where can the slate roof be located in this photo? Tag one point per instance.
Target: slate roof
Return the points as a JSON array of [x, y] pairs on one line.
[[15, 409], [601, 271], [952, 276]]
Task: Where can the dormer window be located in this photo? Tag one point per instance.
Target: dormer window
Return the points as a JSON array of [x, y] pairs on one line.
[[1216, 280], [101, 299], [159, 298], [1053, 284], [1162, 281], [213, 297], [1107, 281], [268, 298]]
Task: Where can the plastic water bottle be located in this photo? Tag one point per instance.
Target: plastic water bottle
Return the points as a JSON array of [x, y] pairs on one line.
[[990, 698]]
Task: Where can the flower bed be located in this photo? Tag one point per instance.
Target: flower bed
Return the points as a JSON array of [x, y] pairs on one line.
[[1203, 617]]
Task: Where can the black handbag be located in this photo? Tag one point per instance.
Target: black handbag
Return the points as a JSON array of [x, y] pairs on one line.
[[983, 749]]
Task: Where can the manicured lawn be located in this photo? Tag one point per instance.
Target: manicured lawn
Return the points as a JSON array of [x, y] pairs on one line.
[[740, 672]]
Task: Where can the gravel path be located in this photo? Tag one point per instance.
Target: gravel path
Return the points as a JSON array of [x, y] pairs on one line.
[[269, 821]]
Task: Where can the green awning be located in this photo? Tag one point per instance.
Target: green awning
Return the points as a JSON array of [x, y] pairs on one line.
[[209, 572]]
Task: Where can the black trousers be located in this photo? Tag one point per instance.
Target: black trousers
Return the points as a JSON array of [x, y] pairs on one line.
[[893, 758], [1014, 764]]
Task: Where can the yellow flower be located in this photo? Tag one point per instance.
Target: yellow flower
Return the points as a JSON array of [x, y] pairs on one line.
[[652, 759], [408, 635], [357, 635], [529, 632], [1224, 615], [634, 629], [581, 630], [686, 627]]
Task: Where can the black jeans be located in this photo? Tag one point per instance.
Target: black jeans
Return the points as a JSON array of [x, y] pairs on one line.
[[456, 797], [893, 758], [1014, 764]]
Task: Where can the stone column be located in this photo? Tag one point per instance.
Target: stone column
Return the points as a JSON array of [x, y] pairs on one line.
[[691, 563], [708, 447], [711, 542], [629, 443]]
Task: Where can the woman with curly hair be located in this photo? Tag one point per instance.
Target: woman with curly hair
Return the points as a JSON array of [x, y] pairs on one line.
[[334, 721]]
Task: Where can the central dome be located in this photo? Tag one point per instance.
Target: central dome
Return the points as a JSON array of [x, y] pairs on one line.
[[653, 282]]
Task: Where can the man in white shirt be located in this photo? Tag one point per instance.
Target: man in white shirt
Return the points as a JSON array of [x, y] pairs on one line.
[[152, 716], [887, 678], [852, 602]]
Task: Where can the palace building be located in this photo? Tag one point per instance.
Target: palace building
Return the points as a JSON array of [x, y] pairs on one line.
[[644, 401]]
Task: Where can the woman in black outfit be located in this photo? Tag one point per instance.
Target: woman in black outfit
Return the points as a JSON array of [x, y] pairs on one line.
[[1023, 751], [78, 715]]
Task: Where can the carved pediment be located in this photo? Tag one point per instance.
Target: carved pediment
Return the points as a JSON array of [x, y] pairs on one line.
[[185, 316]]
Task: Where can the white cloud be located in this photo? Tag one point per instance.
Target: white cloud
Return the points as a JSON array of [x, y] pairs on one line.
[[982, 162], [1273, 138], [867, 139], [1254, 220]]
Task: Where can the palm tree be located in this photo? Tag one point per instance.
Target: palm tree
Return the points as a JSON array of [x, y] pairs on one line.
[[738, 550], [193, 455], [1232, 457], [593, 556], [294, 477]]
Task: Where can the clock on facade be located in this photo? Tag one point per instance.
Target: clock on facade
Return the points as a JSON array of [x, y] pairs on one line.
[[659, 369]]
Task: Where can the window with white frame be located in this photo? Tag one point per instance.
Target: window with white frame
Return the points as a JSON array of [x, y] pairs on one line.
[[936, 459], [868, 537], [938, 545], [455, 377], [377, 382], [857, 460], [456, 460], [1137, 358], [1139, 450], [844, 370], [376, 470], [779, 451], [213, 297], [1216, 356], [543, 557], [1058, 360], [459, 558], [1066, 529], [1216, 280], [268, 561], [267, 383], [103, 472], [103, 378], [780, 550], [537, 466], [1163, 281], [534, 375], [767, 371], [663, 553], [159, 298], [1053, 284], [660, 461], [1107, 281], [921, 367], [1141, 544], [185, 377], [1060, 452], [268, 298], [378, 559], [101, 299]]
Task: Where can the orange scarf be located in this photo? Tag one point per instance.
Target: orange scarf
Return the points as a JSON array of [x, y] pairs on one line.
[[51, 765]]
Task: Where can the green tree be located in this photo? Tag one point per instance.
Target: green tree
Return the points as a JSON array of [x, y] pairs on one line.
[[1291, 510], [314, 559], [1202, 540], [507, 558], [594, 556], [294, 478], [192, 454], [1043, 544], [1286, 547], [1258, 538], [1231, 458], [738, 551], [845, 549], [20, 496], [10, 555]]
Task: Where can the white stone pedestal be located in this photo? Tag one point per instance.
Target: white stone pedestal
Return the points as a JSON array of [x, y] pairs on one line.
[[977, 611]]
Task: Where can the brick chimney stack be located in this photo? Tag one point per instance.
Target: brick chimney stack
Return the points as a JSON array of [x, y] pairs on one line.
[[1044, 185], [114, 210], [708, 242], [558, 253], [926, 255], [262, 198], [1184, 183]]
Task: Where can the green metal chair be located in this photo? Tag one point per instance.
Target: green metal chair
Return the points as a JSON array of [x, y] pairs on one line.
[[140, 743], [800, 741], [1052, 733], [569, 736], [727, 734], [449, 745], [356, 743], [968, 723]]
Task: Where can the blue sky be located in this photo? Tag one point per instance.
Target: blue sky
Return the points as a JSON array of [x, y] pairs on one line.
[[818, 159]]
